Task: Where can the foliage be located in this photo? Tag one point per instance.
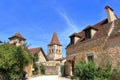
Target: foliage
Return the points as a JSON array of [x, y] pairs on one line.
[[62, 68], [116, 73], [88, 71], [35, 58], [35, 66], [104, 71], [85, 71], [13, 59], [42, 68]]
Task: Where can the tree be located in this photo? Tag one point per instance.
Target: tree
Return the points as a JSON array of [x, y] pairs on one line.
[[62, 68], [42, 68], [85, 71], [116, 72], [13, 60], [35, 66]]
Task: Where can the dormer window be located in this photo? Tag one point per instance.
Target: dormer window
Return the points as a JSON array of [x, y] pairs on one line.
[[72, 40], [88, 34]]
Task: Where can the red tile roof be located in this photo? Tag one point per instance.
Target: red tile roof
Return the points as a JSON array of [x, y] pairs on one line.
[[54, 40], [17, 35], [103, 28], [33, 51]]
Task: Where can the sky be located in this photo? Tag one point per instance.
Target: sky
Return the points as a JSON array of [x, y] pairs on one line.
[[37, 20]]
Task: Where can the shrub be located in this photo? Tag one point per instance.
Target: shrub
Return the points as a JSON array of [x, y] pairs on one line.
[[116, 73], [42, 68], [88, 71], [35, 66], [85, 71], [13, 59], [62, 68]]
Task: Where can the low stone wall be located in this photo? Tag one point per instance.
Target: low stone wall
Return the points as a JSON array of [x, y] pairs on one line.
[[51, 70]]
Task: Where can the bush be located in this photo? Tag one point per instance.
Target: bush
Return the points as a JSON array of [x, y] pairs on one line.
[[4, 76], [88, 71], [35, 72], [116, 73], [13, 59], [85, 71], [42, 68], [62, 69], [35, 66]]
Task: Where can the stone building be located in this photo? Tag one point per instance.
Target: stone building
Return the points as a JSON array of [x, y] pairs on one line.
[[54, 48], [95, 43], [54, 56], [18, 39], [52, 61], [42, 58]]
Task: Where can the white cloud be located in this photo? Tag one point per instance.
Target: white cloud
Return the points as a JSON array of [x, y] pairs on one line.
[[70, 28], [68, 20]]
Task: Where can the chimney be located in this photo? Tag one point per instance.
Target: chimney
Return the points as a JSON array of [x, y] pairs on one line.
[[110, 14]]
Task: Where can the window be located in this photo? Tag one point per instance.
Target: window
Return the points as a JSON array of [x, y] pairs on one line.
[[90, 58], [88, 34], [72, 40], [52, 51], [56, 50]]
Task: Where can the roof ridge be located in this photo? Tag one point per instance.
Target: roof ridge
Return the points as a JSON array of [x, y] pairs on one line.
[[54, 39], [18, 35]]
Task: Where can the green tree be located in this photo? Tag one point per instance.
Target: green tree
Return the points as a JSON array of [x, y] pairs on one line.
[[116, 72], [13, 59], [62, 68], [85, 71], [35, 66], [42, 68]]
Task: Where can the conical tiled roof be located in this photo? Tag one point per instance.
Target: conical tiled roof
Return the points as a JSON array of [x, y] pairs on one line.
[[55, 39], [17, 35]]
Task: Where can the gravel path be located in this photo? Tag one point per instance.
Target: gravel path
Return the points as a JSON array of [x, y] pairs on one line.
[[49, 77]]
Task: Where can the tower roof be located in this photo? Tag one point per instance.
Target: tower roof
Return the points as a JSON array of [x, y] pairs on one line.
[[54, 40], [17, 35]]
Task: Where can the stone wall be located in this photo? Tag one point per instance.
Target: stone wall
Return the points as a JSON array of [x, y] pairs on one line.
[[101, 48], [51, 70]]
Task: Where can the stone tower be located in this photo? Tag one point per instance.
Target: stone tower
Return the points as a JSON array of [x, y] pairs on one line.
[[17, 39], [54, 48]]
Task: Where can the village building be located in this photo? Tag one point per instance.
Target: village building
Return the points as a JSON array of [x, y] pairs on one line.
[[42, 58], [19, 40], [52, 61], [54, 48], [54, 56], [95, 42]]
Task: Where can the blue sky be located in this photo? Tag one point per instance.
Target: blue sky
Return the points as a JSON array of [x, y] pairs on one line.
[[36, 20]]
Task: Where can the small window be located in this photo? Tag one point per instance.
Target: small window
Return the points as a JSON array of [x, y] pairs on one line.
[[56, 50], [52, 50], [90, 58], [72, 40], [88, 34]]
